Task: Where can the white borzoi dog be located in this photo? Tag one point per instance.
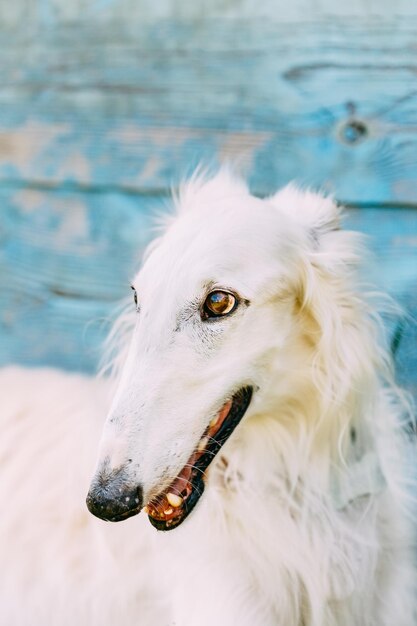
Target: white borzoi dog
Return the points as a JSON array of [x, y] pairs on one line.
[[256, 424]]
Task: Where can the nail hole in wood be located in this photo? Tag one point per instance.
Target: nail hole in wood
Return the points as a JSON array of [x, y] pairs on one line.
[[353, 131]]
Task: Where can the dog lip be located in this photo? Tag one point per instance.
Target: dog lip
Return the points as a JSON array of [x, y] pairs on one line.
[[125, 515], [198, 462]]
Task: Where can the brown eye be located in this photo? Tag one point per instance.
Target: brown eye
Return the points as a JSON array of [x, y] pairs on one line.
[[219, 303]]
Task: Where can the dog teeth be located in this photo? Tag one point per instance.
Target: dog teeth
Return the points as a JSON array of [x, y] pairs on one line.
[[174, 500], [202, 445], [168, 511]]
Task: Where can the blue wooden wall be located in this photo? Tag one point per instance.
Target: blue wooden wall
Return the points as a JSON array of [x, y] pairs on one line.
[[105, 104]]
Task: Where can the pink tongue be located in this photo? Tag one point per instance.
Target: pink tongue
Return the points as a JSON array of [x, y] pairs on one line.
[[224, 412], [181, 483]]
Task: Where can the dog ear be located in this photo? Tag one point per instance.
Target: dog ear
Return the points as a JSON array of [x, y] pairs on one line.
[[337, 308], [340, 321], [316, 213]]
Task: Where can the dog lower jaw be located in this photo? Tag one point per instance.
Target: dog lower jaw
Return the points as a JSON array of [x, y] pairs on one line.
[[171, 507]]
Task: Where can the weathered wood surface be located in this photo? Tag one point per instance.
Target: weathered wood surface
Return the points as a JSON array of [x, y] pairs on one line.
[[21, 14], [330, 102], [65, 261]]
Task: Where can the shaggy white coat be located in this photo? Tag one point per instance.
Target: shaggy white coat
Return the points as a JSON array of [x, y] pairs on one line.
[[307, 517]]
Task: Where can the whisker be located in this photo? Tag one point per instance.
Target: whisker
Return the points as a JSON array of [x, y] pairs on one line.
[[205, 451], [190, 483], [193, 467], [177, 492], [213, 439]]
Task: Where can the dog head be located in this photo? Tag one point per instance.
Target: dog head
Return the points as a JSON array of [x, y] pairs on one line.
[[243, 306]]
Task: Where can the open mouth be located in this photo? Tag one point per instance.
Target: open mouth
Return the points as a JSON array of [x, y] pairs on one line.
[[171, 507]]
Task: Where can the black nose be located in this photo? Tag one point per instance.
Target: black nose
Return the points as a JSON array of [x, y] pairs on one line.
[[112, 497]]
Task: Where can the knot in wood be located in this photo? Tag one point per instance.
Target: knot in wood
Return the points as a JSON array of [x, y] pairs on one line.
[[353, 131]]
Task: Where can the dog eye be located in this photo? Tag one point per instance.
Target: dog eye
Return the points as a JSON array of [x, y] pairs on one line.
[[218, 304], [135, 295]]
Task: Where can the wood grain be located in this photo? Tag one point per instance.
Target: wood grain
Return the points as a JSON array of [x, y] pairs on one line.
[[49, 13], [330, 102], [65, 261]]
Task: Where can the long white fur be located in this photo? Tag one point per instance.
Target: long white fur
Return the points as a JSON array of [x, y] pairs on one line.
[[268, 544]]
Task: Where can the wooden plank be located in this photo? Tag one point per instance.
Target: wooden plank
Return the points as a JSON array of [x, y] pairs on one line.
[[21, 13], [67, 257], [393, 239], [331, 103], [65, 261]]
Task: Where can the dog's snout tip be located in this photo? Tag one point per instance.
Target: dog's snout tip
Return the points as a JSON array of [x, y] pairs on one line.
[[113, 501]]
